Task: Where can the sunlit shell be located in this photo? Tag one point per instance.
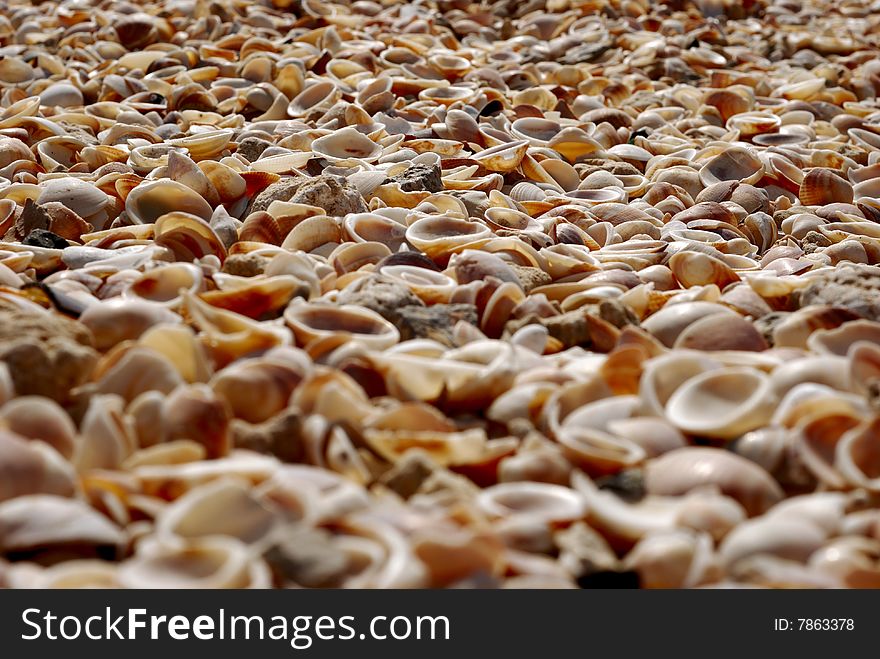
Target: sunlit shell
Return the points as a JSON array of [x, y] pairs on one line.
[[438, 236], [347, 143], [149, 201]]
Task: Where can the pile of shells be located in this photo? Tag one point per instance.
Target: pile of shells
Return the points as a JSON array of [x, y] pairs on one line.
[[368, 294]]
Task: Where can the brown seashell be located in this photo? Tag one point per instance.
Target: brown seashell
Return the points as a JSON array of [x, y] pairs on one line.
[[261, 227], [188, 237], [257, 298], [697, 269], [721, 332], [823, 186]]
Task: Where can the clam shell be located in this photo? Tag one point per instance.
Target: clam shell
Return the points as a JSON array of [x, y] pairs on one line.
[[150, 201], [722, 403]]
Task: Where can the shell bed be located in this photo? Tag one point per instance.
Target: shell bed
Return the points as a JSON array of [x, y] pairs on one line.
[[373, 294]]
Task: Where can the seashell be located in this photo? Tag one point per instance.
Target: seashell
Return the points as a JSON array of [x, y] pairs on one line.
[[257, 389], [228, 183], [542, 501], [673, 559], [791, 538], [697, 269], [228, 335], [313, 233], [114, 321], [47, 526], [668, 323], [503, 157], [863, 363], [722, 403], [372, 227], [856, 456], [795, 330], [179, 345], [431, 287], [210, 562], [81, 197], [826, 369], [224, 508], [38, 418], [188, 237], [257, 298], [163, 284], [319, 95], [733, 164], [150, 201], [849, 560], [31, 468], [684, 470], [838, 341], [822, 186], [440, 236], [204, 145], [721, 332], [311, 322], [536, 130], [107, 437], [347, 143]]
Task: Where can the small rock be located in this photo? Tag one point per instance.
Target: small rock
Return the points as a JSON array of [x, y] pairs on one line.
[[767, 324], [245, 265], [628, 484], [583, 551], [813, 241], [225, 226], [617, 313], [308, 557], [332, 193], [65, 222], [435, 322], [529, 277], [252, 148], [574, 328], [44, 238], [381, 294], [419, 177], [407, 476], [280, 436], [476, 202], [31, 217], [47, 354], [856, 287], [610, 166]]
